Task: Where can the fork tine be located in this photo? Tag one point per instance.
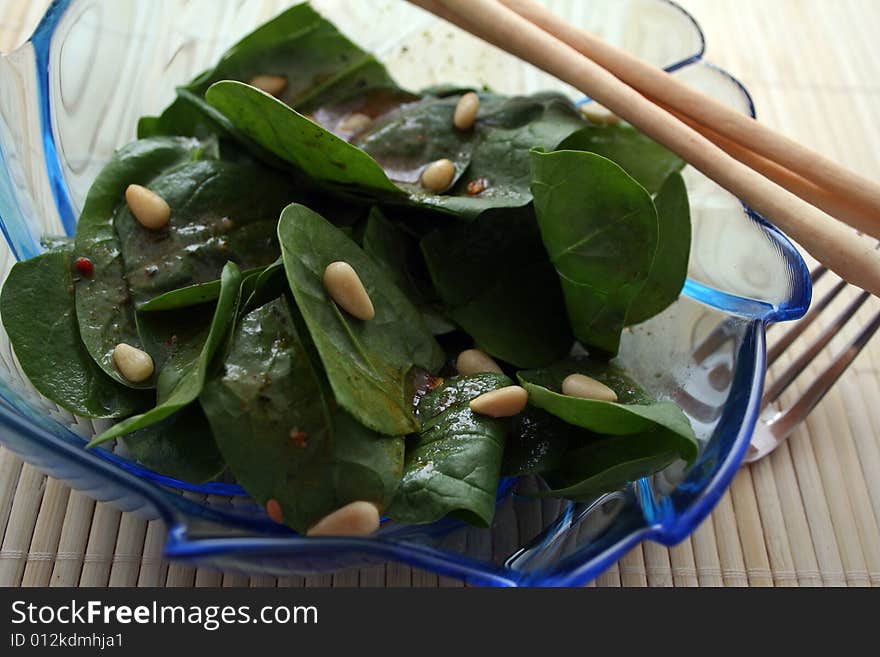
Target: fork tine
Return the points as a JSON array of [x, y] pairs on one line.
[[784, 424], [797, 330], [798, 365], [785, 341]]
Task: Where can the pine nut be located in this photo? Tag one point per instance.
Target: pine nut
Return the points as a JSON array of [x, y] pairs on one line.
[[466, 111], [599, 114], [504, 402], [585, 387], [274, 85], [437, 176], [355, 519], [150, 209], [474, 361], [354, 123], [135, 365], [345, 288]]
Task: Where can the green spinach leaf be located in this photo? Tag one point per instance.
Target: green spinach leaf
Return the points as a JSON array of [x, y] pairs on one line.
[[497, 283], [453, 465], [255, 282], [669, 269], [103, 303], [404, 140], [220, 211], [398, 253], [637, 154], [181, 446], [634, 413], [608, 464], [537, 443], [280, 431], [321, 65], [174, 339], [498, 148], [368, 363], [194, 295], [286, 133], [600, 228], [495, 154], [270, 284], [38, 314], [182, 378]]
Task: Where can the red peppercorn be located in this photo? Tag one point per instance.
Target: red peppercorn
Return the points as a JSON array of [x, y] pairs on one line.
[[83, 266], [299, 438], [477, 186]]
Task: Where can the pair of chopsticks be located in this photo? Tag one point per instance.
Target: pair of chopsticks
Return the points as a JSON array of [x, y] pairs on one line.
[[782, 180]]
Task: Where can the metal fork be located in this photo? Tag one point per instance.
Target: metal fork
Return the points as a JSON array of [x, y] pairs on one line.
[[775, 425]]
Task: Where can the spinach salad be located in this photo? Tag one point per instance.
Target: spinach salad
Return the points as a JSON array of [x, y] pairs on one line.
[[356, 299]]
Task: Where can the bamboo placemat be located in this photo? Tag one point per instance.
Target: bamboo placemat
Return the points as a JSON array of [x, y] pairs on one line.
[[806, 516]]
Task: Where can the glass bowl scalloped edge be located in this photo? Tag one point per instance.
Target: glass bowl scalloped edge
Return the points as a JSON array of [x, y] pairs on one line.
[[109, 478]]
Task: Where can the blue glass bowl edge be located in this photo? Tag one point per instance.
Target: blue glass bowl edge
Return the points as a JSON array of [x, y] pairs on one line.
[[171, 506]]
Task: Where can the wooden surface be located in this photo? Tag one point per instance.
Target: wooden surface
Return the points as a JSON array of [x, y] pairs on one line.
[[807, 516]]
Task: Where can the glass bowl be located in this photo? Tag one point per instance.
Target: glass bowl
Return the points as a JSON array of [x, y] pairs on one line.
[[72, 94]]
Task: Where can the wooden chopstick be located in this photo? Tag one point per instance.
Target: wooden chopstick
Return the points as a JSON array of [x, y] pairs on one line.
[[836, 206], [840, 207], [843, 208], [829, 241], [851, 198]]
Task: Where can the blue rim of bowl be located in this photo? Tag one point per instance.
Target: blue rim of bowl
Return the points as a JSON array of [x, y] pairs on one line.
[[573, 569]]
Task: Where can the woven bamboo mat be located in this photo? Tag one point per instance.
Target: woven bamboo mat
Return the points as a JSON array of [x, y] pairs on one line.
[[806, 516]]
